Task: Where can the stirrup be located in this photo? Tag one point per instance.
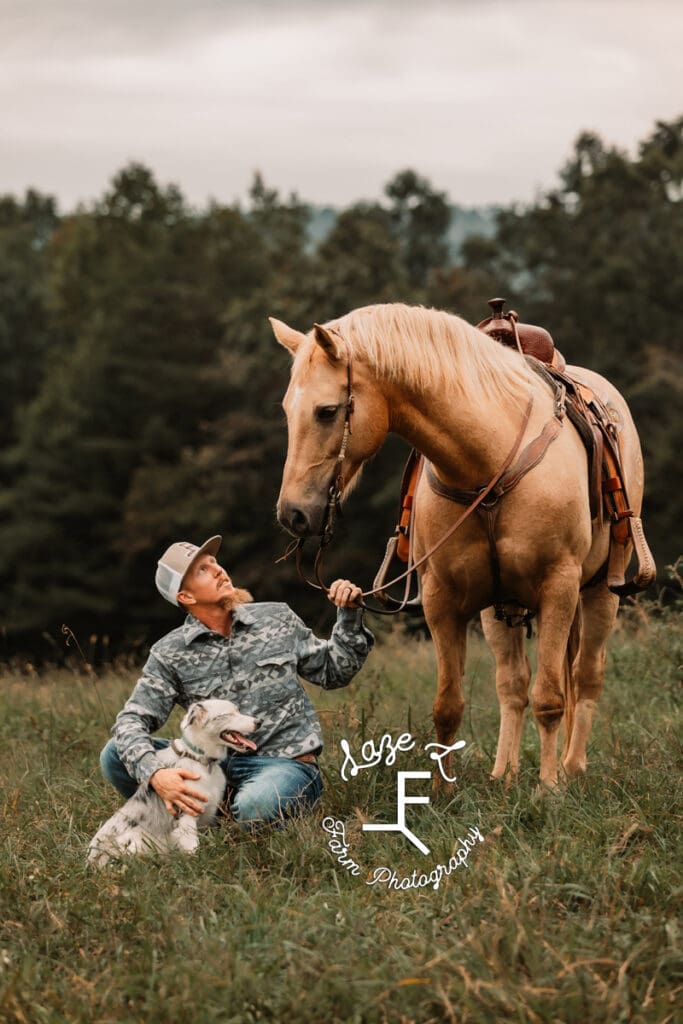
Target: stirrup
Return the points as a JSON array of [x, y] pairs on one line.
[[616, 569]]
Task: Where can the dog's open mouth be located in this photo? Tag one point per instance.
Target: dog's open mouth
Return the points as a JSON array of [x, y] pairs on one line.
[[238, 741]]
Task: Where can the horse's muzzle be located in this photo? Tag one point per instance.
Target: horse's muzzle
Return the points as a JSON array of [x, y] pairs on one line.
[[299, 521]]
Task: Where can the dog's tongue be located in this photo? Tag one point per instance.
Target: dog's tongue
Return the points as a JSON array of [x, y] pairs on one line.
[[237, 737]]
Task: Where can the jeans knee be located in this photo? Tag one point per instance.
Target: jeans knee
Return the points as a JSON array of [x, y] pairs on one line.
[[110, 761], [115, 772], [249, 808], [256, 802]]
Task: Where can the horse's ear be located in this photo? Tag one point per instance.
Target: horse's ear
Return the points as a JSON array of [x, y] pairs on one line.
[[328, 342], [287, 336]]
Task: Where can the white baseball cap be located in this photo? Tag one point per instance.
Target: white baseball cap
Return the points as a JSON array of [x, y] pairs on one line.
[[176, 561]]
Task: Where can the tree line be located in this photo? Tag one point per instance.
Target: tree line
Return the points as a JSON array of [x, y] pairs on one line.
[[141, 384]]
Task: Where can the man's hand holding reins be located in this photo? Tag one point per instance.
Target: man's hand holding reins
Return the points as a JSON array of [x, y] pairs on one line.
[[345, 594]]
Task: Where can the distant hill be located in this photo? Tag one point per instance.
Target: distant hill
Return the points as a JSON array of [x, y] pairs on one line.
[[465, 221], [322, 220]]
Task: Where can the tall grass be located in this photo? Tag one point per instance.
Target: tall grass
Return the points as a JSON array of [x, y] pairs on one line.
[[566, 912]]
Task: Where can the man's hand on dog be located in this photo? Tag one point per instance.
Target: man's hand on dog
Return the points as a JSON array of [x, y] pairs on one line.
[[345, 594], [169, 783]]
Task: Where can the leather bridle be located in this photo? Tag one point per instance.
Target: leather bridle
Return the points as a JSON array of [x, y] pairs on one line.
[[336, 488]]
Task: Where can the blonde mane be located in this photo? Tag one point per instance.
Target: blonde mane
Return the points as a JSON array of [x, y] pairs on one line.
[[425, 348]]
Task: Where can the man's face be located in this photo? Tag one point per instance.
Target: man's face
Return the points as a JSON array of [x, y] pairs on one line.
[[208, 584]]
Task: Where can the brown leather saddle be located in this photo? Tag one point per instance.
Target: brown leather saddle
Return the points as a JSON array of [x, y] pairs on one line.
[[597, 427], [527, 338]]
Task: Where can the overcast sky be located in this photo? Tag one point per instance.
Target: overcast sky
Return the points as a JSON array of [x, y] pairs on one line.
[[327, 98]]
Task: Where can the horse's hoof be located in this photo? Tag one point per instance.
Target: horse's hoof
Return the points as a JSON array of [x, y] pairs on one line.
[[507, 779], [574, 769], [546, 789], [441, 789]]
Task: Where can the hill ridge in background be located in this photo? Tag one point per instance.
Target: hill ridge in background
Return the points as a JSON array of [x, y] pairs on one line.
[[465, 222]]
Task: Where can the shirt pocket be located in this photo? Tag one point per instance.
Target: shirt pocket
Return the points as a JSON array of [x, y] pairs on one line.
[[276, 666], [204, 687], [277, 658]]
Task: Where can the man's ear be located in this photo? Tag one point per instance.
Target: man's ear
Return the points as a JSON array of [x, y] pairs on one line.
[[287, 336], [185, 597], [329, 342]]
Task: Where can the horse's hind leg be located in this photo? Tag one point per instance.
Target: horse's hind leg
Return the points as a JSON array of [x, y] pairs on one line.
[[599, 610], [513, 674], [558, 600]]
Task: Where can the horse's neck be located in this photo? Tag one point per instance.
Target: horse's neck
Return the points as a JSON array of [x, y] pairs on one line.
[[464, 439]]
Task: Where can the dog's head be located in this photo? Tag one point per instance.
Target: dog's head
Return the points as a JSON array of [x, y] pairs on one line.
[[209, 723]]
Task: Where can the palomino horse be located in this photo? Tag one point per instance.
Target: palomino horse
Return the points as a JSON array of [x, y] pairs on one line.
[[460, 397]]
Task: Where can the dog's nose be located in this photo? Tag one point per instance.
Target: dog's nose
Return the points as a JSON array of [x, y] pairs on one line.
[[257, 723]]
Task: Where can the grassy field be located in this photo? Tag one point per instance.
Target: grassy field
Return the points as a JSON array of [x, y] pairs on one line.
[[566, 912]]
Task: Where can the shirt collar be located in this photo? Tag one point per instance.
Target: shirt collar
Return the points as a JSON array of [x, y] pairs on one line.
[[244, 614], [192, 627]]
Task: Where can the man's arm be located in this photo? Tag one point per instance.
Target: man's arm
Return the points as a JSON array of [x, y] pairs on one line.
[[333, 663], [145, 711]]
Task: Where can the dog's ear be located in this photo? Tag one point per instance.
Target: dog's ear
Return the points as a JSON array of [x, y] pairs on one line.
[[196, 714]]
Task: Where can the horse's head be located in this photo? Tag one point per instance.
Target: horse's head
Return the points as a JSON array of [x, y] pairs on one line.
[[316, 404]]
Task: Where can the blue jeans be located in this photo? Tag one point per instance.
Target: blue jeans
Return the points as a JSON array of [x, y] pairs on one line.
[[265, 788]]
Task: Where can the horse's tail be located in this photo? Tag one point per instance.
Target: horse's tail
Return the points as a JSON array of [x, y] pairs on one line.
[[569, 676]]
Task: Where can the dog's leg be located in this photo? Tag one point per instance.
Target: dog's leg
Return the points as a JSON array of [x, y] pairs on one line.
[[185, 835]]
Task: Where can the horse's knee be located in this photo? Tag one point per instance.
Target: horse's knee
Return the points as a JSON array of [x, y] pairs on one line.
[[590, 673], [448, 714], [548, 709], [512, 686], [513, 700]]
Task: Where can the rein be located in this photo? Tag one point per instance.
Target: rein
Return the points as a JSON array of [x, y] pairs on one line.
[[335, 490]]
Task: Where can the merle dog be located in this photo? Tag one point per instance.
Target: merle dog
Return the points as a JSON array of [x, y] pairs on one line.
[[143, 825]]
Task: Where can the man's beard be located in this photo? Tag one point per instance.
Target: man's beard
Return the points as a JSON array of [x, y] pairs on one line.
[[235, 598]]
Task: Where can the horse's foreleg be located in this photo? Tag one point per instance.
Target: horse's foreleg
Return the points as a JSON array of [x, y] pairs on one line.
[[558, 601], [513, 673], [599, 609], [449, 634]]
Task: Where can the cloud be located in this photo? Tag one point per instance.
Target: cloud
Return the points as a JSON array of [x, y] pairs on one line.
[[329, 99]]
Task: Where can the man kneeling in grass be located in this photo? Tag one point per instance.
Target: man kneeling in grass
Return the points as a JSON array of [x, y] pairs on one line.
[[251, 654]]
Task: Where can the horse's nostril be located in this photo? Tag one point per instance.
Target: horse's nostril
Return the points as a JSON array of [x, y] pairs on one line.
[[293, 519], [299, 519]]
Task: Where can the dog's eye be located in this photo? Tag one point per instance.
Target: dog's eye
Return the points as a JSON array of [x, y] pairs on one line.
[[326, 413]]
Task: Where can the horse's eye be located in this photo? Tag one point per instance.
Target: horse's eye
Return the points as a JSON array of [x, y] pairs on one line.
[[326, 413]]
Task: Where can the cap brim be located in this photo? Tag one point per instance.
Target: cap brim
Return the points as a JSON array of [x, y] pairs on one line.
[[210, 547]]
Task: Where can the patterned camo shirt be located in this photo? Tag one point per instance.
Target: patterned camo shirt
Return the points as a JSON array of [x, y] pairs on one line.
[[256, 668]]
